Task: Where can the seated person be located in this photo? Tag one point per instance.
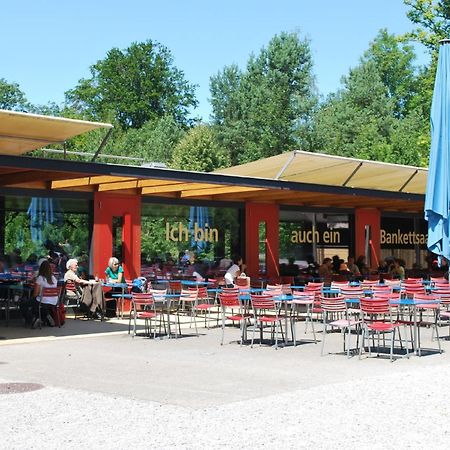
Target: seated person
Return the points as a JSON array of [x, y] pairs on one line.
[[114, 271], [398, 271], [92, 293], [234, 271], [114, 274], [45, 278], [325, 270]]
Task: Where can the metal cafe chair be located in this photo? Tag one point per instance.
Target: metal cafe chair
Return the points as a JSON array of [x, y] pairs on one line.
[[143, 307], [232, 309], [377, 319], [72, 296], [336, 315], [266, 314], [303, 300], [49, 292]]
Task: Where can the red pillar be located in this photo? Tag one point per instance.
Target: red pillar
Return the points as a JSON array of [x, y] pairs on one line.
[[371, 217], [255, 213], [106, 206]]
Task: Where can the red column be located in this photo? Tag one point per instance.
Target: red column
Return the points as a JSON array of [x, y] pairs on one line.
[[255, 213], [371, 217], [106, 206]]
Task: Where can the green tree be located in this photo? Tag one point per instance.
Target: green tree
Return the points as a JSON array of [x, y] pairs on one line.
[[154, 141], [432, 19], [198, 150], [357, 120], [394, 63], [260, 112], [134, 86], [12, 97]]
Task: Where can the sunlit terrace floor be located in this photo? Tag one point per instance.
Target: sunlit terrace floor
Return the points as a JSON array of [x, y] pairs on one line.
[[101, 388]]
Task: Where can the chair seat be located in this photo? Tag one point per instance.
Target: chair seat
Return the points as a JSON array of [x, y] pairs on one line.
[[383, 326], [302, 302], [429, 306], [344, 323], [146, 315], [239, 317], [445, 314], [269, 319], [205, 306]]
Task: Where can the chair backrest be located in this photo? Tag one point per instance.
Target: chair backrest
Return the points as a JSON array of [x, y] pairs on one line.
[[425, 297], [213, 283], [189, 295], [202, 292], [157, 294], [412, 280], [333, 304], [374, 307], [240, 281], [443, 295], [229, 300], [262, 302], [339, 284], [410, 289], [230, 290], [50, 291], [142, 300], [301, 296], [439, 280], [175, 286], [352, 292], [51, 294]]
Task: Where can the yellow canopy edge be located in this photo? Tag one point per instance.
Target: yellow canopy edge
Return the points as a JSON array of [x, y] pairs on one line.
[[23, 132]]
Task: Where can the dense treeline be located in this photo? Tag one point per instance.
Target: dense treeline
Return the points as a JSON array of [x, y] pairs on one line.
[[380, 112]]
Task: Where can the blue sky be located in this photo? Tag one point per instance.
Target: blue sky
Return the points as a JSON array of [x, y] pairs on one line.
[[46, 46]]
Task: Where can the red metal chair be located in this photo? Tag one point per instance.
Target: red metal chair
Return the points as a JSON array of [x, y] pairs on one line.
[[204, 303], [232, 309], [376, 317], [303, 300], [49, 292], [335, 315], [266, 314], [428, 310], [143, 307]]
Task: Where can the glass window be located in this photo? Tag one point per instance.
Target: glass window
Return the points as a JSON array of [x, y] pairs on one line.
[[36, 226], [307, 237], [179, 235]]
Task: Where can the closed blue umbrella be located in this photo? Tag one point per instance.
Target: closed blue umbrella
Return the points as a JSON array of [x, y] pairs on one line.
[[438, 184]]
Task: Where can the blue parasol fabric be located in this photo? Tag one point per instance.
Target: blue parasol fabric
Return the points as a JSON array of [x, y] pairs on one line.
[[42, 212], [198, 215], [438, 184]]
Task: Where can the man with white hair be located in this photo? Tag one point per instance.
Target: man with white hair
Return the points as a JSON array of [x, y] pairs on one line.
[[92, 295]]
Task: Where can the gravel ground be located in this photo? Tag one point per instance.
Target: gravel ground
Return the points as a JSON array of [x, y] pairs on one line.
[[410, 411], [195, 394]]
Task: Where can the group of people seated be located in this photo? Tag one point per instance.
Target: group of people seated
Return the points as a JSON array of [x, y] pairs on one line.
[[94, 301]]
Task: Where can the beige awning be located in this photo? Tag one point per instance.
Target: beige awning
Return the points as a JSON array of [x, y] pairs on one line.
[[22, 132], [317, 168]]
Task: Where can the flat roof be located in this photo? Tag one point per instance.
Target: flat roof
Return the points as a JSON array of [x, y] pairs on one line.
[[330, 170], [23, 132], [75, 176]]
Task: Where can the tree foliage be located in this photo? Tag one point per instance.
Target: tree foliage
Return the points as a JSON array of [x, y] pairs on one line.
[[259, 112], [198, 150], [373, 116], [154, 141], [134, 86], [432, 19], [12, 97]]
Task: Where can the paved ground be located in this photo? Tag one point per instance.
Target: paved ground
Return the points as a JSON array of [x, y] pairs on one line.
[[104, 389]]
